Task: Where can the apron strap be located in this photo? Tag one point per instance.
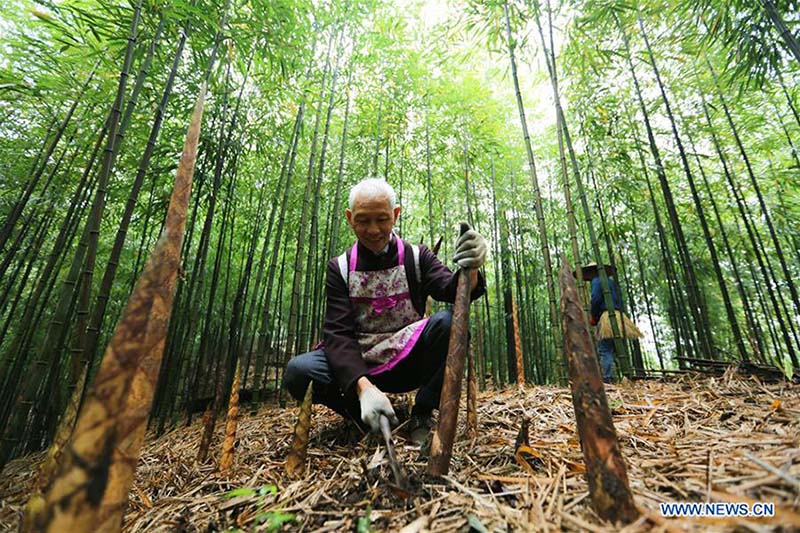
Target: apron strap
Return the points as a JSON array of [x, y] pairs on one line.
[[417, 270], [353, 257], [401, 251], [342, 259], [343, 266]]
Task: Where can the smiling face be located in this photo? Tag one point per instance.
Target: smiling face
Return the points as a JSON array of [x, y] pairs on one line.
[[372, 220]]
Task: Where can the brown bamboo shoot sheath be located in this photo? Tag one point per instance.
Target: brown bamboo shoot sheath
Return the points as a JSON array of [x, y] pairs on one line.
[[444, 434], [231, 424], [605, 466], [296, 460], [517, 344], [91, 489], [35, 508]]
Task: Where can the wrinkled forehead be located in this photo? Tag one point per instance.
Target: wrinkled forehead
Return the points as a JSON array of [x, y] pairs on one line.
[[371, 203]]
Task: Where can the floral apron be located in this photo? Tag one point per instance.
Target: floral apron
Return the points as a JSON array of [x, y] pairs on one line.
[[387, 325]]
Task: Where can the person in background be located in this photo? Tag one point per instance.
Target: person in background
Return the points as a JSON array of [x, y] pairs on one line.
[[599, 317]]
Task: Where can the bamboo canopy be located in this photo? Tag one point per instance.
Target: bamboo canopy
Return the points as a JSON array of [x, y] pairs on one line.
[[658, 140]]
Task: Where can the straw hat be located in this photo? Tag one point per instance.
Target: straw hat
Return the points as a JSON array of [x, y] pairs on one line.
[[590, 271]]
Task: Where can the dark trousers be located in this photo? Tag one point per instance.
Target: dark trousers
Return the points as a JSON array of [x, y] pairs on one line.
[[422, 368]]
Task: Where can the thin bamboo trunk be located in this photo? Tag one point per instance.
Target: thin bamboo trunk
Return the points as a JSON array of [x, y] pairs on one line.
[[548, 268], [198, 272], [333, 247], [690, 279], [34, 213], [239, 323], [645, 291], [113, 148], [34, 247], [276, 324], [51, 347], [19, 205], [89, 343], [785, 91], [674, 292], [505, 261], [497, 371], [712, 250], [472, 395], [221, 371], [782, 28], [176, 337], [256, 303], [788, 277], [294, 335], [428, 176], [19, 347], [789, 141], [620, 347], [263, 307], [377, 150], [571, 223], [704, 333], [743, 213], [264, 339], [310, 330]]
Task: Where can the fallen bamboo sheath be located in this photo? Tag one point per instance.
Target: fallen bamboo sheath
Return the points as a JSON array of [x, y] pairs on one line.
[[444, 433], [605, 467]]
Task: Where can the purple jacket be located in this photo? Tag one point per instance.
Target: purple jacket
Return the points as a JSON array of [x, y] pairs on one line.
[[341, 347]]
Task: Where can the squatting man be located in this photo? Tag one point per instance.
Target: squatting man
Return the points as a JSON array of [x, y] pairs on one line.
[[376, 338]]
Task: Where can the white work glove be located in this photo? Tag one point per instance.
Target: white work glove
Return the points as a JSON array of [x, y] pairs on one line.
[[470, 249], [374, 403]]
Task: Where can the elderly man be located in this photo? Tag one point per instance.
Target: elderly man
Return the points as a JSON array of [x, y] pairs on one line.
[[376, 338]]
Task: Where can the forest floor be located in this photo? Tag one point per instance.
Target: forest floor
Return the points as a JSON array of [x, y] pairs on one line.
[[691, 438]]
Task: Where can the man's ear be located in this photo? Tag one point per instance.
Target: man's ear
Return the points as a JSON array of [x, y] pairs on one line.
[[349, 215], [397, 210]]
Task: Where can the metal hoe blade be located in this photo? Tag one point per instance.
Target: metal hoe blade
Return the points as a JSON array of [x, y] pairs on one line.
[[402, 487]]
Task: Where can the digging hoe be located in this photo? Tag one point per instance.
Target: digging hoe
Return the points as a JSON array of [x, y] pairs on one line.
[[401, 487]]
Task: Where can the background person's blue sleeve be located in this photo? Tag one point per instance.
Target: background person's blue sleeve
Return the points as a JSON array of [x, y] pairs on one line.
[[597, 299]]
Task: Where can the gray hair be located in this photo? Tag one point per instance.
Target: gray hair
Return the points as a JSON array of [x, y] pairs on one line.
[[372, 188]]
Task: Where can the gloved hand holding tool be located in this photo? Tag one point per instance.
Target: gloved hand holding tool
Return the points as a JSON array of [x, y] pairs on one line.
[[378, 414], [470, 248], [374, 403]]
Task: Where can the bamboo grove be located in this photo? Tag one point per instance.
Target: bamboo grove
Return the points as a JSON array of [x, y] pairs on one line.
[[656, 136]]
